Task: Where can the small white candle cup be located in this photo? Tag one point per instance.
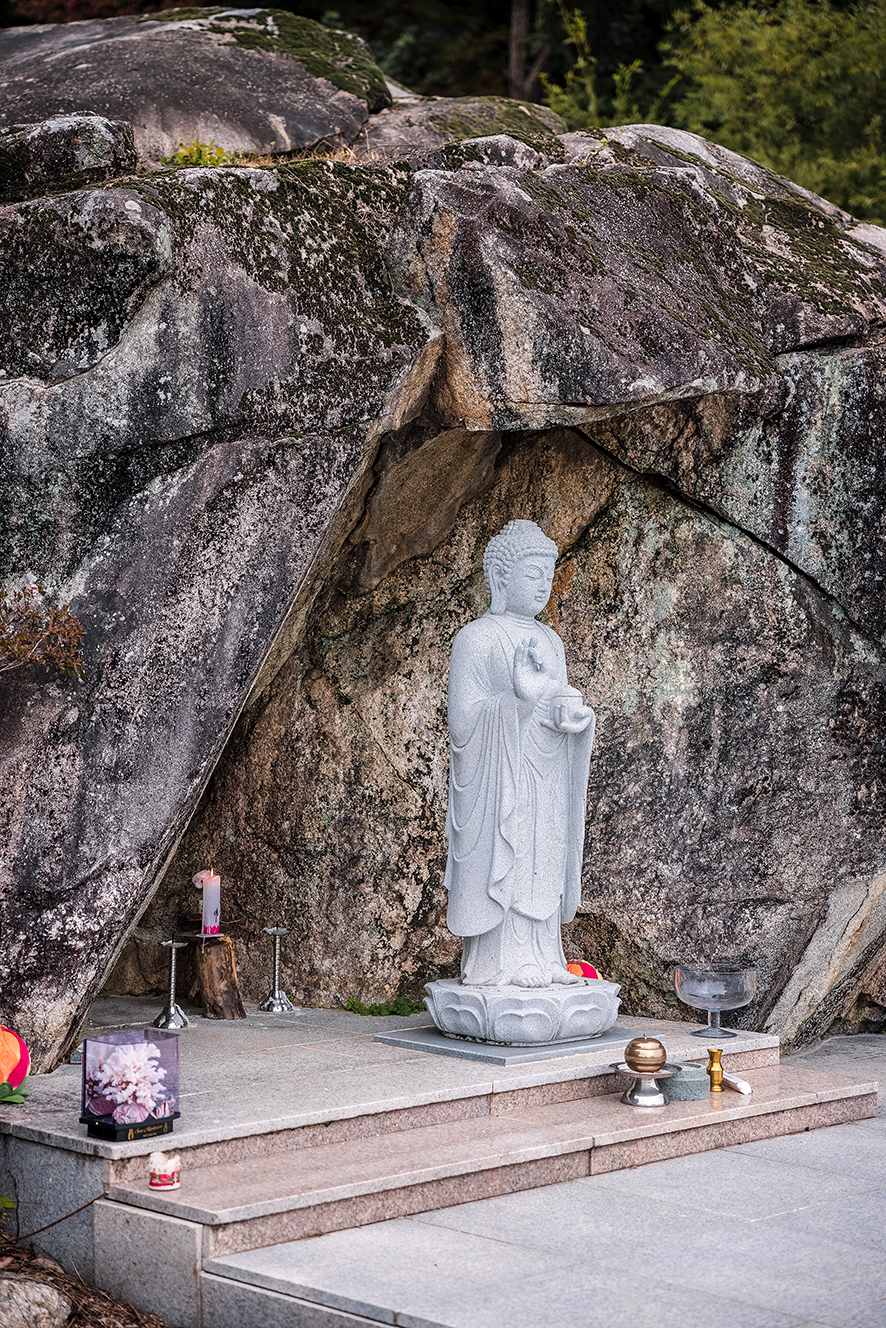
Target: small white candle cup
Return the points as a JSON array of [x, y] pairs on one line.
[[164, 1171]]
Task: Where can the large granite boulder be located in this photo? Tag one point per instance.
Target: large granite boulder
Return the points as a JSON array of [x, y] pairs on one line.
[[187, 423], [257, 80], [422, 126], [65, 151], [263, 473]]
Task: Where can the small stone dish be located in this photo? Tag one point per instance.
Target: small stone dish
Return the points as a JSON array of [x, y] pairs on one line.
[[690, 1085]]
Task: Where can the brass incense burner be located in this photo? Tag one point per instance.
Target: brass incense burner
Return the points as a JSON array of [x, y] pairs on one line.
[[645, 1055], [646, 1059]]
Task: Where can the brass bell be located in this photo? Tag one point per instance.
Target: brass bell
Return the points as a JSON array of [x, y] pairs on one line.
[[645, 1055]]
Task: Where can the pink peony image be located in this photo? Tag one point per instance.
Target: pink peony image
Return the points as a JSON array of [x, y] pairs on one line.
[[100, 1106], [130, 1113], [126, 1082]]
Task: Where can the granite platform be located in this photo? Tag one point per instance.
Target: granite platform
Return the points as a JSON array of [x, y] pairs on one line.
[[780, 1233], [301, 1125], [428, 1038]]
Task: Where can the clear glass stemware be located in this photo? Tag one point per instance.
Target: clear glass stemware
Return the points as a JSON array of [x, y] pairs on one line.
[[713, 988]]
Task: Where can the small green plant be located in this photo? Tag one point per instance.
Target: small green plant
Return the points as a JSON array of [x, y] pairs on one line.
[[10, 1096], [201, 154], [401, 1005], [33, 632], [6, 1207], [575, 100]]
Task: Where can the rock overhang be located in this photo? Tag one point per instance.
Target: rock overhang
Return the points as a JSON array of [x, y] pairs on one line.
[[310, 313], [588, 289]]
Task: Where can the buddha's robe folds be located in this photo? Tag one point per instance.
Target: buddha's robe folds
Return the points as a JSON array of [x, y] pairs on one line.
[[517, 793]]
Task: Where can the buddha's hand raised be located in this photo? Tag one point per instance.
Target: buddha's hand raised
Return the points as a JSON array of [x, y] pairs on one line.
[[532, 682]]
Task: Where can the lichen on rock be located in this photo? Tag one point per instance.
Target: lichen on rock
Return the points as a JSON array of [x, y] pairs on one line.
[[253, 80], [258, 434], [64, 152], [74, 272], [428, 125]]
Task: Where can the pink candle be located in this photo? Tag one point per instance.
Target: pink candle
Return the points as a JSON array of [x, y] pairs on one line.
[[211, 887]]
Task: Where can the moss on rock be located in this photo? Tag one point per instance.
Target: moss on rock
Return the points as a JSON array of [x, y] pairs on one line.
[[257, 81], [342, 58], [429, 125], [483, 116]]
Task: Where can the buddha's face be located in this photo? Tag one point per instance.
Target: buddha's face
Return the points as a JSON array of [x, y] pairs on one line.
[[529, 586]]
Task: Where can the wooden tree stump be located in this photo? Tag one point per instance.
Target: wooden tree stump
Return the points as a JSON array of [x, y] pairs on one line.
[[217, 979]]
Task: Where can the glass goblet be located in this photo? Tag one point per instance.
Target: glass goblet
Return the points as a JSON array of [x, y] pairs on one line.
[[715, 987]]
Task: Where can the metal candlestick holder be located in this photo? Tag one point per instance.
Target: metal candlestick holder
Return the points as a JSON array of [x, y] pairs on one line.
[[278, 1002], [173, 1016]]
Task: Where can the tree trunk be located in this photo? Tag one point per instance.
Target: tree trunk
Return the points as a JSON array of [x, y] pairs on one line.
[[217, 979], [517, 48]]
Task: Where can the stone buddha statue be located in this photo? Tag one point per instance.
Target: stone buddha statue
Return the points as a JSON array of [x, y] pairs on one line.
[[520, 746]]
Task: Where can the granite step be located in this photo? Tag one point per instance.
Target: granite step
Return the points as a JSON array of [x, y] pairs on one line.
[[570, 1078], [295, 1194]]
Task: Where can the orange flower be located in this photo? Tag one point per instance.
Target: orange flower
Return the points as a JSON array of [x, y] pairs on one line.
[[14, 1059]]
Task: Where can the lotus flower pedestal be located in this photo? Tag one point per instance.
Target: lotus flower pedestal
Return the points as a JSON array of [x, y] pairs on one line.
[[523, 1016]]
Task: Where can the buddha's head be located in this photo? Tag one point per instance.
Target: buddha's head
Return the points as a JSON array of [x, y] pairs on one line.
[[519, 568]]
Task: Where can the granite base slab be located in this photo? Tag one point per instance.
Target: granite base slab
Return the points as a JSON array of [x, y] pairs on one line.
[[430, 1039], [244, 1084], [312, 1127]]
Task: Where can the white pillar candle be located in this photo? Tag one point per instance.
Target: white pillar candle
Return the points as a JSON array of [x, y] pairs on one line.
[[211, 887]]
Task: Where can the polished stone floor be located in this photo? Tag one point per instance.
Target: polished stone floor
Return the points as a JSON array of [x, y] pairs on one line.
[[786, 1233]]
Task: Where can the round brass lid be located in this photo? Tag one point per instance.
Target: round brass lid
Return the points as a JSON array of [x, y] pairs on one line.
[[645, 1055]]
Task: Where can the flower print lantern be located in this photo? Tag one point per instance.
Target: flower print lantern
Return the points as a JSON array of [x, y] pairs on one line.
[[581, 969], [130, 1084], [210, 884], [14, 1059]]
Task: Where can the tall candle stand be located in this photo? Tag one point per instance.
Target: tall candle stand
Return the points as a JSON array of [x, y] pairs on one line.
[[173, 1016], [278, 1002]]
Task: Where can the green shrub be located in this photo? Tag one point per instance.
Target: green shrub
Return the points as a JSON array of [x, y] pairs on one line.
[[798, 85], [201, 154], [577, 100]]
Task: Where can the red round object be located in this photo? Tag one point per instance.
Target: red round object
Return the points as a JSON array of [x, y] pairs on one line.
[[581, 969], [14, 1058]]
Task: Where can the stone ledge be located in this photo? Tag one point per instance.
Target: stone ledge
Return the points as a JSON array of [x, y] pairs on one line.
[[392, 1092], [317, 1190], [723, 1134], [439, 1043], [230, 1304]]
